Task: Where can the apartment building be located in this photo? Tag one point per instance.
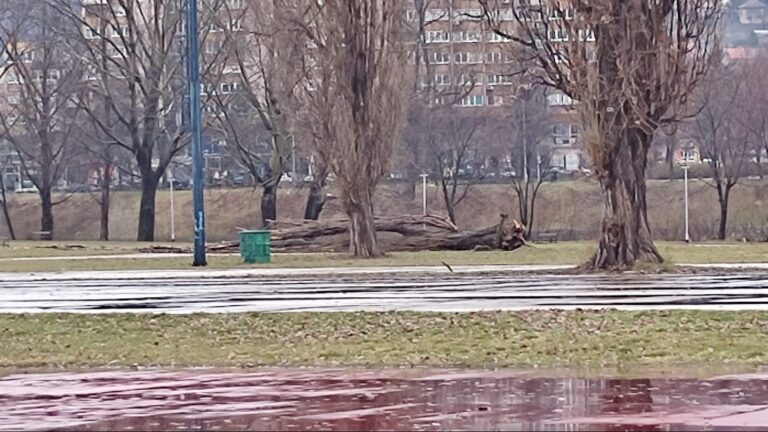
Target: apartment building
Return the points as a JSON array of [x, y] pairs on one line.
[[746, 23], [469, 65]]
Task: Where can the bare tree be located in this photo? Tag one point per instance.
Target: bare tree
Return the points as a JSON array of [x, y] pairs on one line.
[[4, 202], [135, 66], [357, 94], [720, 130], [527, 146], [43, 81], [756, 118], [413, 149], [262, 70], [453, 135], [630, 64]]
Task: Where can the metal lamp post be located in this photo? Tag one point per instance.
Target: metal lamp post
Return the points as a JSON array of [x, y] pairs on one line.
[[424, 197], [193, 83], [424, 194], [173, 212], [686, 167]]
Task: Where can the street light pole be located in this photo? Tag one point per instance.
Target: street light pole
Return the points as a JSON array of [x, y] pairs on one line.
[[173, 213], [525, 142], [193, 83], [424, 197], [424, 194], [685, 187], [293, 157]]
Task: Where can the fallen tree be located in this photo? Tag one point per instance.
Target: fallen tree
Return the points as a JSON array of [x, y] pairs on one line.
[[398, 234]]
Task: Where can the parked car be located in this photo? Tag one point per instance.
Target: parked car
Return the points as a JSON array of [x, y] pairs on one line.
[[238, 180], [180, 184], [26, 186]]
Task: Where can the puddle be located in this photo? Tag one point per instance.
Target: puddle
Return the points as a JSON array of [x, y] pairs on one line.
[[415, 399]]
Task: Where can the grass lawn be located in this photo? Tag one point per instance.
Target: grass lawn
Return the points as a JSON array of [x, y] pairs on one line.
[[569, 253], [488, 339]]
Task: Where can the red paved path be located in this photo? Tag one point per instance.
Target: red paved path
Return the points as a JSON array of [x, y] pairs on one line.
[[279, 399]]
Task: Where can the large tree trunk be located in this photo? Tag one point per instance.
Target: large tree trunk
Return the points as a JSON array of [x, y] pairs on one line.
[[6, 213], [315, 201], [268, 204], [723, 199], [46, 204], [149, 183], [409, 187], [625, 237], [362, 232]]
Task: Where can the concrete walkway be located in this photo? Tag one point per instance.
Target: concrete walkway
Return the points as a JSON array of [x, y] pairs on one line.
[[375, 289]]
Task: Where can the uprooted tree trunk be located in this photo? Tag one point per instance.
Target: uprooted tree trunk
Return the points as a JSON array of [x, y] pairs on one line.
[[413, 233], [403, 233]]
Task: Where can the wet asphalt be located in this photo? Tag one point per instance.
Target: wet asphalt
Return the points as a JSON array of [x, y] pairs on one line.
[[190, 292]]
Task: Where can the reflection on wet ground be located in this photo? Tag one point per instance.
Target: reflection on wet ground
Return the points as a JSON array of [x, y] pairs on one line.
[[301, 399]]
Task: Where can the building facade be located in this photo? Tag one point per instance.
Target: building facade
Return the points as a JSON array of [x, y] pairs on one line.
[[469, 65]]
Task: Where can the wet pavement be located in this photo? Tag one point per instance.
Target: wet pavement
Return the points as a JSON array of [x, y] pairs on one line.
[[189, 292], [416, 399]]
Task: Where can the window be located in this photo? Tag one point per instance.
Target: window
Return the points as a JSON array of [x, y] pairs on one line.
[[463, 57], [53, 75], [13, 78], [565, 134], [558, 35], [473, 100], [689, 155], [559, 99], [121, 30], [466, 37], [228, 88], [437, 79], [114, 51], [215, 28], [236, 24], [558, 13], [90, 33], [465, 79], [494, 37], [438, 37], [587, 35], [410, 15], [13, 99], [235, 4], [493, 57], [494, 79], [27, 56], [442, 79], [213, 46], [439, 58]]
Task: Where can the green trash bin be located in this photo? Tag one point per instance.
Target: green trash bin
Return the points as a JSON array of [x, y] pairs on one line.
[[255, 247]]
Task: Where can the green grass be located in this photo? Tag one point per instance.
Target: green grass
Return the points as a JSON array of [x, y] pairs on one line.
[[488, 339], [566, 253]]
